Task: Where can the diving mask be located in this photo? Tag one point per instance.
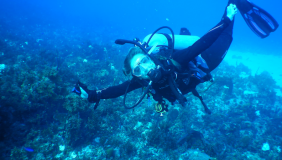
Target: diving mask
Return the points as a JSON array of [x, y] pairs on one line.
[[142, 65]]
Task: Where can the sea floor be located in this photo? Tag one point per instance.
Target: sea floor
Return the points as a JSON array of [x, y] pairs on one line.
[[258, 63]]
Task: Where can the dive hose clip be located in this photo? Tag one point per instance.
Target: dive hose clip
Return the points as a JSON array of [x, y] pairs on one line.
[[161, 107]]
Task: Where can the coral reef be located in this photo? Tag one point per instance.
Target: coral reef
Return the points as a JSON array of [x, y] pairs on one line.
[[38, 110]]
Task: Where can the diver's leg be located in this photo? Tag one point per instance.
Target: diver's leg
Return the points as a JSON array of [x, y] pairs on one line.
[[217, 51]]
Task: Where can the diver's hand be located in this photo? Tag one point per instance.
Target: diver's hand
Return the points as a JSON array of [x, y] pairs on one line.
[[83, 93], [81, 90], [231, 11]]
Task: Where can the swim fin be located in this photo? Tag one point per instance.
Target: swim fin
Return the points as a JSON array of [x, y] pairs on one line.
[[260, 22]]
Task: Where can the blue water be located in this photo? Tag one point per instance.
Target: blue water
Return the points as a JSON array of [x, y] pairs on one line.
[[129, 19], [47, 45]]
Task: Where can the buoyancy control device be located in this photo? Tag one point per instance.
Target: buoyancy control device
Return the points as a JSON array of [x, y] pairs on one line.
[[165, 68]]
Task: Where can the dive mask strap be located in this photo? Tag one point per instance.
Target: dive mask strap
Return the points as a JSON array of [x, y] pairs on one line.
[[153, 48]]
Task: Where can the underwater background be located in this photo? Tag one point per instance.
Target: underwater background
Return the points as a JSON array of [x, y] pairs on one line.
[[46, 46]]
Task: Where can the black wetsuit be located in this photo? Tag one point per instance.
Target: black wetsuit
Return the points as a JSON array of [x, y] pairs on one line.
[[212, 47]]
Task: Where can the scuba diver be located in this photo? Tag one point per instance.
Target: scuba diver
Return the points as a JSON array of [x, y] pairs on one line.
[[169, 66]]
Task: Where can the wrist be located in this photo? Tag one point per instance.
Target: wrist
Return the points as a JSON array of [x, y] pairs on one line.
[[230, 17], [94, 96], [83, 93], [226, 20]]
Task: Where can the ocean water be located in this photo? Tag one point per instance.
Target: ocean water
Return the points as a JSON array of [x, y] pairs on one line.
[[46, 46]]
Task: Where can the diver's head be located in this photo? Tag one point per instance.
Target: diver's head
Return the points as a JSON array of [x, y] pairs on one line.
[[141, 65], [138, 63]]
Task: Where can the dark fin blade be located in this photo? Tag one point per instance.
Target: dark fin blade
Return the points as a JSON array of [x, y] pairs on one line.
[[273, 24], [260, 21], [254, 27]]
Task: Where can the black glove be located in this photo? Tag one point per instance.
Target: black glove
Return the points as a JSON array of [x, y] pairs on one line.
[[92, 96], [76, 89]]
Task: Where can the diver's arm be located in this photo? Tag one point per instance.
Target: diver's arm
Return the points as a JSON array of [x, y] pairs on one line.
[[107, 93], [119, 90], [184, 41], [188, 54]]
